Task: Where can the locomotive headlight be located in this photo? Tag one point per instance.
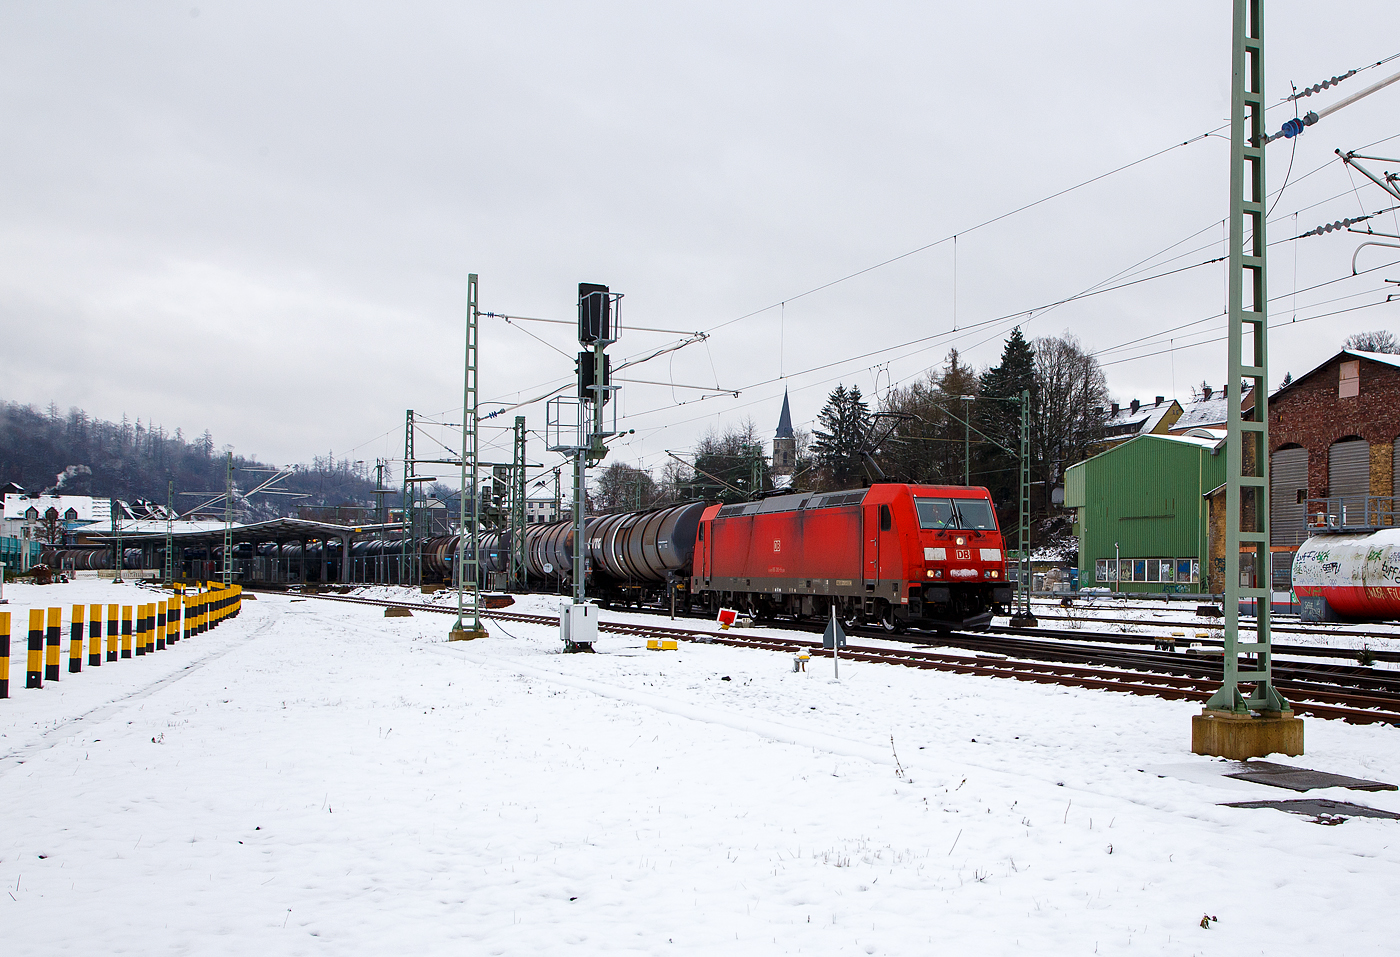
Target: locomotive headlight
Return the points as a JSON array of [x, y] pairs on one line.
[[995, 573], [930, 573], [961, 540]]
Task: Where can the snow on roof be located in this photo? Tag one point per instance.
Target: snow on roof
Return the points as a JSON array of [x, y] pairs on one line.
[[85, 507], [1384, 358], [1204, 412], [1127, 423]]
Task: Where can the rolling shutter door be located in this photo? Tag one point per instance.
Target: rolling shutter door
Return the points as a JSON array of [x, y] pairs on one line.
[[1349, 477], [1288, 475]]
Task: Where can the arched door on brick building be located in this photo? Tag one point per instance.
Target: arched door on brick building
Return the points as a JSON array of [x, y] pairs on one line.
[[1349, 478], [1288, 493]]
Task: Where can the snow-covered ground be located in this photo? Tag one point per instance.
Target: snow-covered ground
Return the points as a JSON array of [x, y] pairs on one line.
[[312, 777]]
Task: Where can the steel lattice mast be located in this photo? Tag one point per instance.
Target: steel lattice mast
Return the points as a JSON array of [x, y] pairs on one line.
[[227, 576], [468, 563], [517, 508], [1247, 442]]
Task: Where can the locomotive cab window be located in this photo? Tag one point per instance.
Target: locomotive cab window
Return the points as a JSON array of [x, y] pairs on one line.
[[885, 522], [935, 513], [976, 513]]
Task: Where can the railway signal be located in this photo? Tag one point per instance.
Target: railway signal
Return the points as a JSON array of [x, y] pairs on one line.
[[579, 425]]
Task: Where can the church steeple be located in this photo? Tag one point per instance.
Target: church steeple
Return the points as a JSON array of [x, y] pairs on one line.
[[784, 447], [784, 421]]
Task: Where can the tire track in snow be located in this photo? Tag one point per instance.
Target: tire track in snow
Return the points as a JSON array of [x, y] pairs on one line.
[[54, 735]]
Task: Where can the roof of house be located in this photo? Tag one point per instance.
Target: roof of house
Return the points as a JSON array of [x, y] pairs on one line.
[[1127, 424], [1382, 358], [87, 508]]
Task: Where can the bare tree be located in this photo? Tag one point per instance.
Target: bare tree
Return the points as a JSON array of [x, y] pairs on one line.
[[1064, 424], [1378, 340], [623, 488]]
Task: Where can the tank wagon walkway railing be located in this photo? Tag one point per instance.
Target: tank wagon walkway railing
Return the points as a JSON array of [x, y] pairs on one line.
[[1352, 513]]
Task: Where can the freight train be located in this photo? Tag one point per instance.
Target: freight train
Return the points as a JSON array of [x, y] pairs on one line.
[[901, 556], [1349, 577]]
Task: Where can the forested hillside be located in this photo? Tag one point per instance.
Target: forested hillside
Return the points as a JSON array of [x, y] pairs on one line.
[[75, 454]]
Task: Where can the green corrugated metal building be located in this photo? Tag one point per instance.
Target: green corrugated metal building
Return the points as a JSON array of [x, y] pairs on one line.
[[1147, 497]]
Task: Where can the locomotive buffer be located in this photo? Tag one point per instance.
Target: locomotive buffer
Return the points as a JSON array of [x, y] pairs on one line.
[[577, 425]]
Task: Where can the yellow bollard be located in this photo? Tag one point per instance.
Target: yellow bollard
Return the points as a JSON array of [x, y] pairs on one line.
[[34, 670], [172, 620], [94, 636], [75, 641], [55, 641], [139, 626], [112, 631], [126, 631], [4, 654], [161, 608]]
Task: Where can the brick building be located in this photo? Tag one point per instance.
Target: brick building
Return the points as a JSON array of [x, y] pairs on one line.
[[1333, 434]]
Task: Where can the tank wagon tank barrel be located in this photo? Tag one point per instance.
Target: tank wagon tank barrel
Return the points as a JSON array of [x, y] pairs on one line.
[[1349, 577]]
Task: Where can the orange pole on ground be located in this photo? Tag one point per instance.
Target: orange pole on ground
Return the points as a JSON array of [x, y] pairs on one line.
[[52, 670], [34, 668], [4, 654], [112, 631], [126, 631], [75, 641], [94, 636]]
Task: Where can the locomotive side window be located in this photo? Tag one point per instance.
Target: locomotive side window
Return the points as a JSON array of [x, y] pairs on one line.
[[884, 518], [976, 513], [935, 513]]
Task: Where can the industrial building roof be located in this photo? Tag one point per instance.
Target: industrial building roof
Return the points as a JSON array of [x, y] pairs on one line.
[[1383, 358]]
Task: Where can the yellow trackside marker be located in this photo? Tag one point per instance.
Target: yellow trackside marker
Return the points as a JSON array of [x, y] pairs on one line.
[[4, 654], [126, 631], [113, 630], [34, 667], [94, 636], [75, 641], [54, 642]]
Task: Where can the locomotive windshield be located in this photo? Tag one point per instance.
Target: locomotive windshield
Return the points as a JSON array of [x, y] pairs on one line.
[[973, 513], [976, 513]]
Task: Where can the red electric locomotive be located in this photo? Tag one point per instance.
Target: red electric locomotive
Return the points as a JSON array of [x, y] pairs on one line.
[[923, 556]]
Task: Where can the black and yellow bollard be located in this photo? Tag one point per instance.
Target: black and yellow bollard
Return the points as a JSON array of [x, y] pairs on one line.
[[34, 668], [150, 619], [4, 654], [172, 619], [139, 628], [94, 636], [126, 631], [52, 664], [75, 641], [112, 631], [161, 608]]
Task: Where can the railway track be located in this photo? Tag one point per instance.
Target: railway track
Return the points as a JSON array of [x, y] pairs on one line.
[[1214, 623], [1353, 694]]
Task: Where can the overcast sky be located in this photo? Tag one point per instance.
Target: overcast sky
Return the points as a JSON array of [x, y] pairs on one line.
[[259, 218]]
